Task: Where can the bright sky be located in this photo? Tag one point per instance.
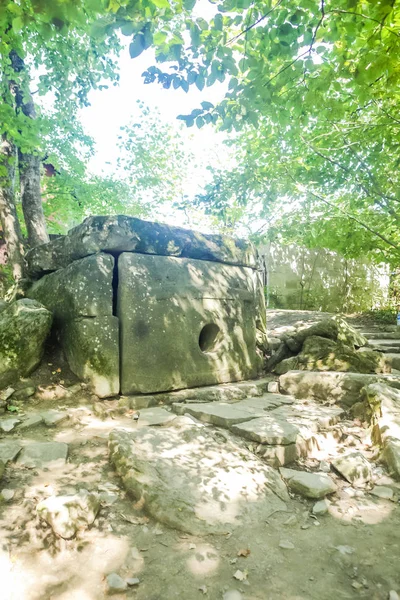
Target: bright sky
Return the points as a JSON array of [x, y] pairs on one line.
[[114, 107]]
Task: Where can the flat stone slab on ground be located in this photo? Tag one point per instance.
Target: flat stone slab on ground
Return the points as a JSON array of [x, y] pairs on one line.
[[9, 451], [53, 417], [37, 454], [268, 430], [354, 467], [7, 425], [311, 485], [223, 414], [155, 416], [189, 480]]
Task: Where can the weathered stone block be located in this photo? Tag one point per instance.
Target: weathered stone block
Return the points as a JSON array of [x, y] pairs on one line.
[[184, 323], [92, 350], [121, 233], [82, 289], [24, 327]]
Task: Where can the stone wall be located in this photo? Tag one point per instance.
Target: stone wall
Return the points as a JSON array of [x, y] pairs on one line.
[[302, 279]]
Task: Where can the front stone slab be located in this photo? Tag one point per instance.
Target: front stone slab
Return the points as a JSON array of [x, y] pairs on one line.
[[92, 350], [188, 480], [184, 323]]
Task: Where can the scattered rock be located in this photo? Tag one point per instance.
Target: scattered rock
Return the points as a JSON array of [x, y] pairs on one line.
[[68, 514], [6, 394], [354, 467], [286, 545], [324, 466], [232, 595], [7, 425], [37, 454], [345, 549], [321, 508], [115, 584], [24, 393], [380, 491], [24, 327], [132, 581], [188, 480], [393, 595], [311, 485], [7, 494]]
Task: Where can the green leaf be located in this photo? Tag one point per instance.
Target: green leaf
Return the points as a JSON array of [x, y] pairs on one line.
[[161, 3], [17, 24], [200, 82], [136, 47], [207, 105]]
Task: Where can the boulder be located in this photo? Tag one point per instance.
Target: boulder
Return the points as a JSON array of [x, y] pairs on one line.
[[354, 467], [68, 514], [120, 233], [24, 327], [391, 456], [287, 364], [310, 485], [335, 328], [189, 478], [322, 354], [341, 388]]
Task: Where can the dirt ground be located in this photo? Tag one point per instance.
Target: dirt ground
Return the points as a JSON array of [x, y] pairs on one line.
[[352, 552]]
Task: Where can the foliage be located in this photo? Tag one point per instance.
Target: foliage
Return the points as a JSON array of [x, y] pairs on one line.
[[313, 91]]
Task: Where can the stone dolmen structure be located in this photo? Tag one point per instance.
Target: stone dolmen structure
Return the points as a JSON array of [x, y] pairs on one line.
[[141, 307]]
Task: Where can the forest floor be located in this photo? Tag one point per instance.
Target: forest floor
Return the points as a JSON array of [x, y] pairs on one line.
[[351, 552]]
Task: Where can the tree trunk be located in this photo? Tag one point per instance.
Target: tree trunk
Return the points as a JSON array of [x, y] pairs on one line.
[[29, 177], [8, 213], [29, 164]]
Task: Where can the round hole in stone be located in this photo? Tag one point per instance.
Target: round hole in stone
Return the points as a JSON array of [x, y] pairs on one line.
[[209, 337]]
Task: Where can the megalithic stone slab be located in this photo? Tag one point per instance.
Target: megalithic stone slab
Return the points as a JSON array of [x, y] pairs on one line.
[[91, 346], [184, 323], [82, 289], [121, 233]]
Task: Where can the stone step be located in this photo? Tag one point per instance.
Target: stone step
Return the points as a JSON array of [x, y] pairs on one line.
[[227, 392], [382, 335], [387, 348], [283, 429]]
